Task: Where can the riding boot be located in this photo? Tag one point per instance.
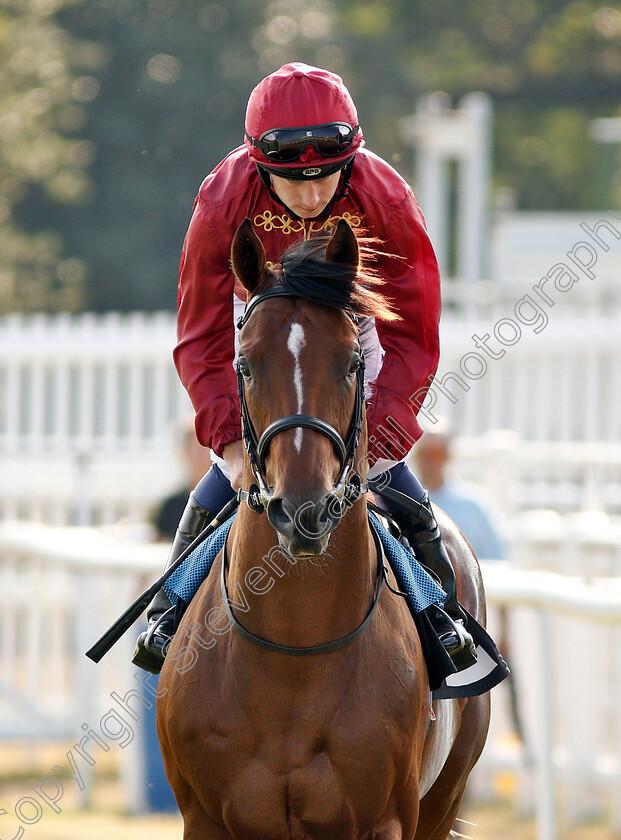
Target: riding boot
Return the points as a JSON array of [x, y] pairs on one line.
[[152, 644], [423, 536]]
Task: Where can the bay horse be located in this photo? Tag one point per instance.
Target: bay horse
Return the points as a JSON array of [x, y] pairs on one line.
[[337, 740]]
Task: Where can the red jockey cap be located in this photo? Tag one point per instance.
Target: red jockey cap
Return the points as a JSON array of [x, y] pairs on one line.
[[296, 96]]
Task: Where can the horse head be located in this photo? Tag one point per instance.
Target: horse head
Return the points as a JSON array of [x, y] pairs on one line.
[[301, 380]]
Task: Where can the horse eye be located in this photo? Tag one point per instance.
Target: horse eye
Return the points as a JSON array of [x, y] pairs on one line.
[[354, 366], [244, 368]]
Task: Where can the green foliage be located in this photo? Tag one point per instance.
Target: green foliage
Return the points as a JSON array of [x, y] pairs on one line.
[[171, 106], [42, 99], [113, 111], [34, 277], [550, 68], [554, 163]]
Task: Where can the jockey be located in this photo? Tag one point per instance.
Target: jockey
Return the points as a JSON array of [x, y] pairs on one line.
[[302, 167]]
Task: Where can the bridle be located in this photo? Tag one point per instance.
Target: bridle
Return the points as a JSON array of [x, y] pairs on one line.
[[348, 487]]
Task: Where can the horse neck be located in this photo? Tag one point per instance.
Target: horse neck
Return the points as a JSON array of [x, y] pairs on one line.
[[309, 600]]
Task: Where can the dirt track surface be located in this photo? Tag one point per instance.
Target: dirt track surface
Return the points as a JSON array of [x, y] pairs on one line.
[[492, 823], [22, 766]]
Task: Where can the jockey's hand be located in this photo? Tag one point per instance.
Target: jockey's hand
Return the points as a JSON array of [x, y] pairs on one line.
[[233, 454]]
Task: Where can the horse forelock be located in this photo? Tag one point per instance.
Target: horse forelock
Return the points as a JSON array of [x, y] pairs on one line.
[[306, 273]]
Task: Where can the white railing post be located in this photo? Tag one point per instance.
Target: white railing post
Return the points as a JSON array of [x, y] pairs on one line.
[[544, 746], [86, 681]]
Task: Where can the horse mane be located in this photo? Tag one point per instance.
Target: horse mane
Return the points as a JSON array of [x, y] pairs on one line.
[[306, 273]]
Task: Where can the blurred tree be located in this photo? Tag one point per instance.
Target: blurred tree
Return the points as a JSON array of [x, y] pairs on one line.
[[171, 107], [162, 98], [550, 66], [42, 163]]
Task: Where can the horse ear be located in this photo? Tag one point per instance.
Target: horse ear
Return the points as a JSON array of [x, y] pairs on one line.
[[248, 257], [343, 246]]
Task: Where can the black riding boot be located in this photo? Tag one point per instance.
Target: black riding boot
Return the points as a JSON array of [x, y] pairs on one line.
[[152, 645], [423, 535]]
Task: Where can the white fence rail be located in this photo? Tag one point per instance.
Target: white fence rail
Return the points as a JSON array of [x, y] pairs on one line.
[[87, 383], [89, 404], [88, 409], [564, 642], [103, 383], [559, 384], [63, 587]]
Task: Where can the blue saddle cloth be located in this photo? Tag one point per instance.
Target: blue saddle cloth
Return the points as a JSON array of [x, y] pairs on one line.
[[421, 588], [184, 582]]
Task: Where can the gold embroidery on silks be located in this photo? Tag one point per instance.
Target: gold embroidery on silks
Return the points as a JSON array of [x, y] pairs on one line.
[[269, 221], [331, 222]]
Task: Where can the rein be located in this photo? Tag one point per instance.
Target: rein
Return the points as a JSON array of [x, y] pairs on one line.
[[326, 647], [348, 488]]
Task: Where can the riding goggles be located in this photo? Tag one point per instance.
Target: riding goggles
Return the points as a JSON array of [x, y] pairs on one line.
[[288, 144]]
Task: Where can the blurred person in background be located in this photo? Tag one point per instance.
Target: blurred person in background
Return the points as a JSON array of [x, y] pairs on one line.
[[302, 168], [466, 504]]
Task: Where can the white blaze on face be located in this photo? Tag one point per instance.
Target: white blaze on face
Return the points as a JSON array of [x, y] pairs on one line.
[[295, 342]]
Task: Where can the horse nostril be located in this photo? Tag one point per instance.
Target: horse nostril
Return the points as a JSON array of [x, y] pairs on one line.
[[316, 520], [310, 520], [281, 514]]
